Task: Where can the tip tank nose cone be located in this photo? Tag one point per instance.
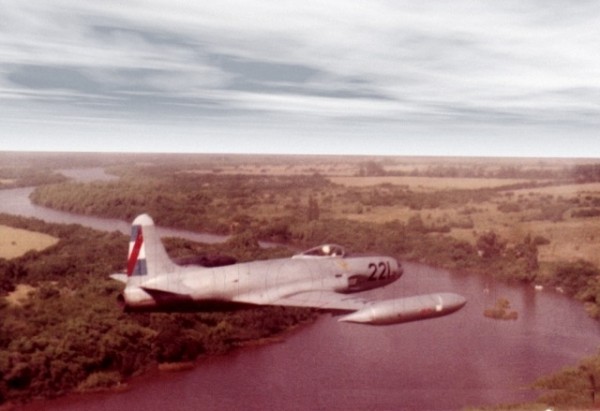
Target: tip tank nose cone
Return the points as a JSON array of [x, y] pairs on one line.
[[454, 300]]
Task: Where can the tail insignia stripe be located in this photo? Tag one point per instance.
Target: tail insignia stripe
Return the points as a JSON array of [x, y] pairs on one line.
[[132, 266]]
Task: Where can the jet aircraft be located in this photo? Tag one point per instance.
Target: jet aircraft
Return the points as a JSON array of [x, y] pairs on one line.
[[323, 277]]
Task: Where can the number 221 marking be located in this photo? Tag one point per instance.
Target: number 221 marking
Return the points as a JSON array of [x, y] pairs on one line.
[[380, 271]]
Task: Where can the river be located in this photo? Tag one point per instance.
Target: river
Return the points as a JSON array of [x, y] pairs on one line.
[[442, 364], [16, 201]]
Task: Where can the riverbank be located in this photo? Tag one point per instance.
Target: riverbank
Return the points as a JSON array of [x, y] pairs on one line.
[[165, 371]]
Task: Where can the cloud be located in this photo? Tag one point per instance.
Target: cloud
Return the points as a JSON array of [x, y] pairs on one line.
[[383, 67]]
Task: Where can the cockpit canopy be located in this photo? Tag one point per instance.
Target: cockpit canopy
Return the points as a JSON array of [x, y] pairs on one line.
[[323, 251]]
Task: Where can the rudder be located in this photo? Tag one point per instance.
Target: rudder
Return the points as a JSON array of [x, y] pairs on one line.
[[147, 255]]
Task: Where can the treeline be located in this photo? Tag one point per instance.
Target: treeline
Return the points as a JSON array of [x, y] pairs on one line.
[[12, 177], [587, 173], [69, 334], [575, 387], [580, 173]]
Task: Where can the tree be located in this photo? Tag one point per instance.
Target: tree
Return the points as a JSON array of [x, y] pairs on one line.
[[10, 275], [416, 224], [489, 245], [371, 168], [575, 277], [313, 209]]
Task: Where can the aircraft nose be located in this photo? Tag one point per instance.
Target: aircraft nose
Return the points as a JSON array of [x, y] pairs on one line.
[[399, 268]]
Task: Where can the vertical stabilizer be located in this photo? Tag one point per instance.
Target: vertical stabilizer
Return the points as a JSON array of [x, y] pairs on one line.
[[147, 255]]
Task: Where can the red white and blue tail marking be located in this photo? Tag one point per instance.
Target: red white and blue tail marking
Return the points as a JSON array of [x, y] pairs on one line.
[[147, 256], [136, 263]]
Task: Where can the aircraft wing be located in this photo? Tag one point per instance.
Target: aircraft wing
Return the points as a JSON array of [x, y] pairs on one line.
[[393, 311], [323, 300]]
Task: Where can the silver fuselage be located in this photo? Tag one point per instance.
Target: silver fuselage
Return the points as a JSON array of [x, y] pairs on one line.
[[265, 282]]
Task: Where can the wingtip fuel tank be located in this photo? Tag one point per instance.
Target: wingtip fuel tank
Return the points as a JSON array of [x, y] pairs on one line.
[[407, 309]]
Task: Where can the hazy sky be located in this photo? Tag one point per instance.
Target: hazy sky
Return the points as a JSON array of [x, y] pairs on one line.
[[348, 77]]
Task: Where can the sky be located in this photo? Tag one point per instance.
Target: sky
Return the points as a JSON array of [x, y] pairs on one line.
[[474, 78]]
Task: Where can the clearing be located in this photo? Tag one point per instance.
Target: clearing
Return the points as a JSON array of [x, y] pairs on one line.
[[14, 242], [20, 295], [428, 183]]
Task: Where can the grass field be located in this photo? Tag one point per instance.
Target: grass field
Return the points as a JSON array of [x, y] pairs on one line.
[[568, 190], [15, 242], [427, 183], [570, 238]]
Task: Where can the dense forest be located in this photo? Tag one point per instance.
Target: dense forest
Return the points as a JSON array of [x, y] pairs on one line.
[[69, 334]]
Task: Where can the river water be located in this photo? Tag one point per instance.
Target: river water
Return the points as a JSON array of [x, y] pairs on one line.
[[442, 364], [16, 201]]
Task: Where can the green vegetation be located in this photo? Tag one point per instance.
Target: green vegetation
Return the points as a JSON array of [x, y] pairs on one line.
[[69, 333], [501, 311], [573, 387]]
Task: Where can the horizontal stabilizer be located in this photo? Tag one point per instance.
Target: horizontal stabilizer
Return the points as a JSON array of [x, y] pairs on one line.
[[119, 277]]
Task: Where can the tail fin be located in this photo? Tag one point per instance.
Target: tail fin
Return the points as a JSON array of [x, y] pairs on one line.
[[147, 255]]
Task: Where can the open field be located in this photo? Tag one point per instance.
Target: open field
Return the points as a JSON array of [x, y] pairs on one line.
[[15, 242], [427, 183], [20, 294], [571, 238], [563, 190]]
